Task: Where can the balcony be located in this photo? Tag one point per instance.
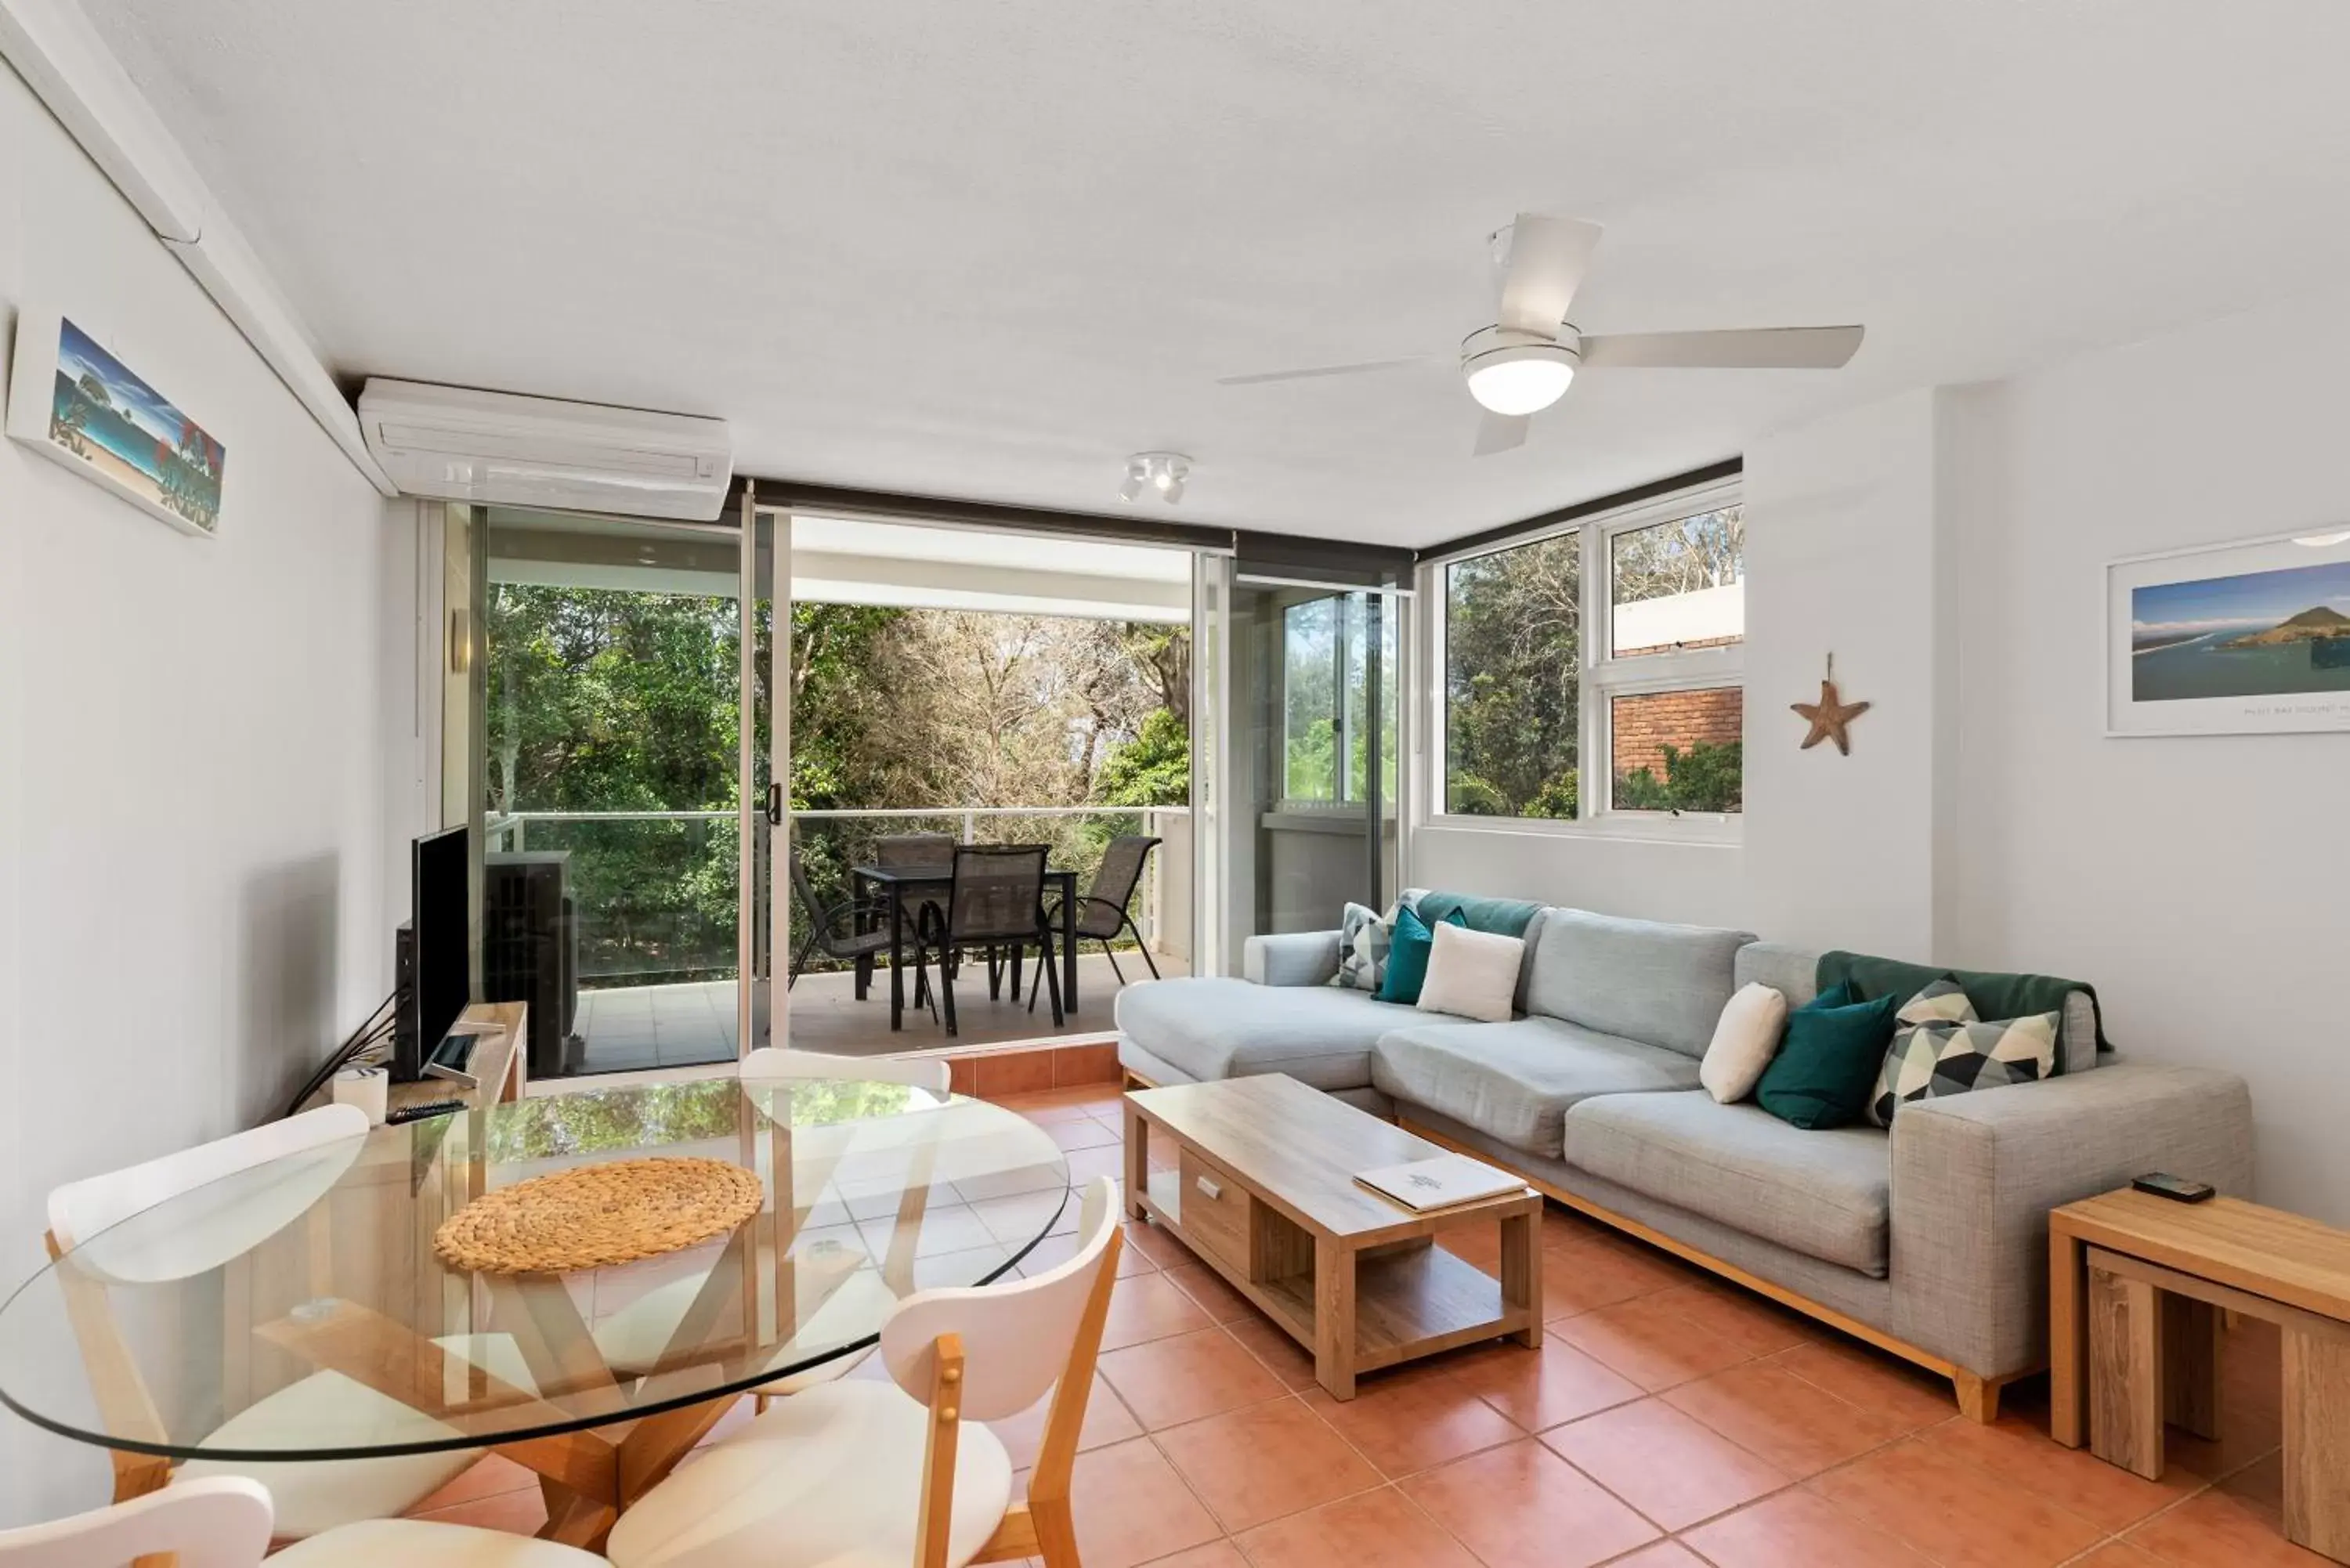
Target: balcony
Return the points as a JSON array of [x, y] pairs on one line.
[[654, 917]]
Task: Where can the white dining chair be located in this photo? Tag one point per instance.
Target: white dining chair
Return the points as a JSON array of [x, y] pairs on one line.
[[225, 1522], [770, 1062], [633, 1340], [308, 1497], [868, 1474]]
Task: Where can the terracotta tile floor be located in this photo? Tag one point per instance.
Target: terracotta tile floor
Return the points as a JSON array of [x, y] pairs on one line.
[[1668, 1420]]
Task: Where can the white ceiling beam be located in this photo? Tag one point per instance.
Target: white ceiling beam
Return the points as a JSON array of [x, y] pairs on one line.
[[61, 58]]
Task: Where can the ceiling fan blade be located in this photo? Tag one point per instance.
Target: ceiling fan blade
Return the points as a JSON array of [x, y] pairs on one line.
[[1755, 348], [1548, 256], [1367, 365], [1500, 432]]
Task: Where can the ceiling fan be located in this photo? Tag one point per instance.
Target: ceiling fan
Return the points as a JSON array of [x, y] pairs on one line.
[[1522, 363]]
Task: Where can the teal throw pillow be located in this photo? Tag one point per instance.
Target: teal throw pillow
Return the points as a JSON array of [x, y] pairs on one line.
[[1408, 950], [1825, 1072]]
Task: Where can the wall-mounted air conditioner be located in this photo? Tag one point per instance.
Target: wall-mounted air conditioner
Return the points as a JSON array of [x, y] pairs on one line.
[[453, 444]]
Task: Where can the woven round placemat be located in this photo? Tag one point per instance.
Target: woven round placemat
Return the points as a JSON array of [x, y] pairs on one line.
[[597, 1216]]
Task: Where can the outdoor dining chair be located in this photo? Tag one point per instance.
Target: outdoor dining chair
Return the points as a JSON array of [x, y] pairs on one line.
[[834, 931], [994, 902], [1103, 915]]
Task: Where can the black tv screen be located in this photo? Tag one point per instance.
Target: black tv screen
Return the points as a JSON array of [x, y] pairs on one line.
[[440, 910]]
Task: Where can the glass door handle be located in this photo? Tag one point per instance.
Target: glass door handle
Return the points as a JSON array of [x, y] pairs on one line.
[[776, 805]]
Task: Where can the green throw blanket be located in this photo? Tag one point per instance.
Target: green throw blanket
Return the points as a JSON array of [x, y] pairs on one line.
[[1993, 995], [1503, 917]]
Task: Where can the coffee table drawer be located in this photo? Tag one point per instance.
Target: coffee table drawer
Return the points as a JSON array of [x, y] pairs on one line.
[[1215, 1210]]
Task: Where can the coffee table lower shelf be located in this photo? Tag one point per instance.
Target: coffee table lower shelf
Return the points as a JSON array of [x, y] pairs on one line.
[[1410, 1298]]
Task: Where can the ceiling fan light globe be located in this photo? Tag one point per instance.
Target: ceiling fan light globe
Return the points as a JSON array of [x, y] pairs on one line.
[[1521, 379]]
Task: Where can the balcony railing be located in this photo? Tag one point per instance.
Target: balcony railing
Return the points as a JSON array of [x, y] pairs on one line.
[[654, 892]]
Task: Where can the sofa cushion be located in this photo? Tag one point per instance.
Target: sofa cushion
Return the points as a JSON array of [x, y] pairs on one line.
[[1514, 1081], [1224, 1028], [1822, 1194], [1787, 969], [1659, 984]]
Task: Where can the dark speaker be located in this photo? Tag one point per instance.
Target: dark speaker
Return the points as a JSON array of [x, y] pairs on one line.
[[530, 950]]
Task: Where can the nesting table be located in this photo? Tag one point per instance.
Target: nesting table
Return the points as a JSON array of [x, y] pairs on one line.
[[2136, 1287]]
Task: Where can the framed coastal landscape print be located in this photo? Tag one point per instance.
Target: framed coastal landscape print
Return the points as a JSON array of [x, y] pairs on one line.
[[2246, 639], [76, 404]]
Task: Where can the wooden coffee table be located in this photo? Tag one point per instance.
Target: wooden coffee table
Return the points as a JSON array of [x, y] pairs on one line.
[[2136, 1286], [1264, 1191]]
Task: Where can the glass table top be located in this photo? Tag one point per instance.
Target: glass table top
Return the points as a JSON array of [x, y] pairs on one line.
[[296, 1310]]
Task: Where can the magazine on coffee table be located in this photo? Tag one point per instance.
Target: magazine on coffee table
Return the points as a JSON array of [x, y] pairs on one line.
[[1441, 1182]]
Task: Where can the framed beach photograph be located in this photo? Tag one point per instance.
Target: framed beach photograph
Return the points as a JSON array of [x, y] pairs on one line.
[[2249, 639], [77, 405]]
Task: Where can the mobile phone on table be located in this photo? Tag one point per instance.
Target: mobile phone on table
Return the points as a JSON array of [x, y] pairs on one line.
[[2177, 1189]]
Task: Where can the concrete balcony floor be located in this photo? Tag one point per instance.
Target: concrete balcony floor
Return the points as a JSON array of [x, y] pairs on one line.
[[638, 1028]]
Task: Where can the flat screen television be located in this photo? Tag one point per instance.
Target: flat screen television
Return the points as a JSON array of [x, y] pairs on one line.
[[436, 970]]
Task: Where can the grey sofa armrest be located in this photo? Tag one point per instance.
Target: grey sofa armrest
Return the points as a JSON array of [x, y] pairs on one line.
[[1298, 958], [1975, 1175]]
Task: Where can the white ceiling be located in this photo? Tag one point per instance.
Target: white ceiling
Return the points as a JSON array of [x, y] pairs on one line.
[[986, 250]]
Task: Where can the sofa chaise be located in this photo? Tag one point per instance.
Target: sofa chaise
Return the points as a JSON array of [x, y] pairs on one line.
[[1929, 1240]]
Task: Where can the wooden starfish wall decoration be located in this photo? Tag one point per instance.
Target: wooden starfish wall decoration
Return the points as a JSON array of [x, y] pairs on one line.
[[1830, 715]]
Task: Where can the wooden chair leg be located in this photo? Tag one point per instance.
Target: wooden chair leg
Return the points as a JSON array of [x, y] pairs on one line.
[[938, 1456]]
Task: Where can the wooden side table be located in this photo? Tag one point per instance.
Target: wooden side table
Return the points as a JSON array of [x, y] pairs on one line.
[[2136, 1288]]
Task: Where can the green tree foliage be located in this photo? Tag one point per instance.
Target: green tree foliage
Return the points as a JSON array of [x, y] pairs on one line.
[[1152, 769], [1512, 632], [1708, 776], [607, 700]]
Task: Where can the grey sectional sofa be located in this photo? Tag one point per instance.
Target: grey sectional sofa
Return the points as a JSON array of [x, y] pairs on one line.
[[1929, 1241]]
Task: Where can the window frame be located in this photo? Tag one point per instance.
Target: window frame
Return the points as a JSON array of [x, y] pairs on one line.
[[1601, 677]]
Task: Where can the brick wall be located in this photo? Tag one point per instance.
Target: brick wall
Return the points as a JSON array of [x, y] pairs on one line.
[[1646, 723]]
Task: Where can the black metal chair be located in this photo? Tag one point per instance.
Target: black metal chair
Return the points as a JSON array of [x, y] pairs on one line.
[[902, 849], [994, 901], [1102, 913], [836, 931]]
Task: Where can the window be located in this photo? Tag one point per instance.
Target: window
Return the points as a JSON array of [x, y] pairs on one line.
[[1513, 697], [1309, 657], [1678, 585], [1326, 677], [1657, 695]]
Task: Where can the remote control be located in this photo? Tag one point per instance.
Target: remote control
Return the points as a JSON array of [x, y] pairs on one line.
[[418, 1112], [2177, 1189]]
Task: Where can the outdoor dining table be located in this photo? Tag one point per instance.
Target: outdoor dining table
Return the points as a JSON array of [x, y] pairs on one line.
[[905, 887], [149, 1338]]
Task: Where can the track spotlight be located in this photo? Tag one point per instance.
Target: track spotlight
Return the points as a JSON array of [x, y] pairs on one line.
[[1163, 471]]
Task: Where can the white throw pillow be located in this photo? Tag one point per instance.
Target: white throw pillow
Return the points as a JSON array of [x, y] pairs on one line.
[[1471, 974], [1745, 1038]]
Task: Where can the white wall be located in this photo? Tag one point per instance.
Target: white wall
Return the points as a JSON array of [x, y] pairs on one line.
[[1698, 884], [192, 750], [2203, 884], [1840, 537]]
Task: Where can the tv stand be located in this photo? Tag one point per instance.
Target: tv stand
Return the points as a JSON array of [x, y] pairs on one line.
[[497, 1064]]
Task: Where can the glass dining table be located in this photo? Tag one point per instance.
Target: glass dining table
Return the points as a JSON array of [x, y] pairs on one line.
[[192, 1331]]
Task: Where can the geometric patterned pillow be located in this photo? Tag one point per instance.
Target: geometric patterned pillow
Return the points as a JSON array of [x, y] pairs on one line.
[[1943, 1002], [1364, 935], [1927, 1061]]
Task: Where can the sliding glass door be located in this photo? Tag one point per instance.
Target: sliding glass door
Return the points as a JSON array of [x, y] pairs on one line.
[[1300, 802], [615, 715]]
